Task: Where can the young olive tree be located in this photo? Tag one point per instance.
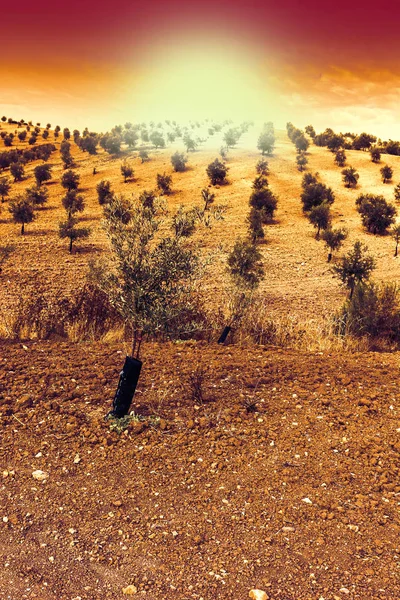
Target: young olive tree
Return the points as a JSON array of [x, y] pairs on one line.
[[22, 212], [387, 173], [68, 229], [355, 267], [333, 239], [5, 187]]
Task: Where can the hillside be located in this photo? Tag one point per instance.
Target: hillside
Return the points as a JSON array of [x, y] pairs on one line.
[[299, 281]]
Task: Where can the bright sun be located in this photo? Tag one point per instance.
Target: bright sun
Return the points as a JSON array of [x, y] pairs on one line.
[[200, 81]]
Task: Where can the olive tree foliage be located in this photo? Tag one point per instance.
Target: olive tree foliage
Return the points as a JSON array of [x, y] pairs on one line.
[[217, 172], [37, 195], [340, 158], [42, 173], [397, 193], [350, 177], [22, 211], [17, 171], [266, 140], [70, 180], [69, 229], [355, 267], [149, 278], [314, 192], [376, 213], [5, 187], [262, 167], [320, 217], [127, 171], [104, 192], [375, 154], [179, 161], [387, 173], [333, 239], [396, 236]]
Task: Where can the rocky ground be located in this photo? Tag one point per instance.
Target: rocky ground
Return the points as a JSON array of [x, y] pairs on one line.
[[284, 476]]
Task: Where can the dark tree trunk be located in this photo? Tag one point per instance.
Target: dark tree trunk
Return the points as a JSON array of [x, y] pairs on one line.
[[128, 380], [224, 334], [22, 228], [70, 244], [329, 257], [395, 253]]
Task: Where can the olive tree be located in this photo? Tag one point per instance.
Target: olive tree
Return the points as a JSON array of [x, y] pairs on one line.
[[68, 229], [5, 187], [217, 172], [355, 267], [42, 173], [350, 177], [333, 239], [387, 173], [22, 212], [376, 213], [320, 217]]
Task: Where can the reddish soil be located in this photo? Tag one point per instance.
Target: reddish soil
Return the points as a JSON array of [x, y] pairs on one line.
[[212, 502]]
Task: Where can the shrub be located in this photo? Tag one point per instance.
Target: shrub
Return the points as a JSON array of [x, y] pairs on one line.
[[334, 239], [42, 173], [301, 161], [68, 229], [217, 172], [104, 193], [179, 161], [73, 203], [5, 187], [147, 200], [22, 212], [37, 195], [372, 311], [350, 177], [320, 217], [118, 209], [376, 213], [340, 158], [17, 171], [375, 155], [262, 167], [70, 180], [126, 171], [245, 265], [255, 222], [164, 183], [355, 267], [143, 154], [208, 198], [265, 201], [260, 182], [184, 222], [387, 173]]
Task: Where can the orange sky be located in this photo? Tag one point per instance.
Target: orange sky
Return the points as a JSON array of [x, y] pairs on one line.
[[97, 64]]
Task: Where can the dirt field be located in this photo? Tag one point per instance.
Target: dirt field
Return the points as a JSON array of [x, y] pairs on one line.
[[300, 498]]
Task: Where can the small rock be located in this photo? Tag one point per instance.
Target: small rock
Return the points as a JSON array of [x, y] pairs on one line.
[[40, 475], [344, 590], [130, 590], [307, 500], [258, 595]]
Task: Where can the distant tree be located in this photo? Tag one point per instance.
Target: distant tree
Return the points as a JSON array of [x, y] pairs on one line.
[[208, 198], [363, 141], [130, 137], [265, 201], [8, 140], [340, 158], [350, 177], [376, 213], [179, 161], [164, 183], [88, 144], [334, 239], [335, 142], [73, 203], [22, 136], [320, 217], [17, 171], [396, 235], [301, 143], [375, 154], [355, 267], [217, 172], [262, 167], [231, 137], [22, 212], [37, 195], [65, 152], [32, 140], [190, 143], [170, 137], [144, 134], [126, 171], [143, 155], [70, 180], [68, 229], [57, 129], [104, 193], [301, 161], [255, 221], [45, 134], [66, 133], [157, 139], [387, 173], [311, 131], [42, 173], [397, 192], [5, 187], [315, 194], [4, 119], [266, 142], [113, 144]]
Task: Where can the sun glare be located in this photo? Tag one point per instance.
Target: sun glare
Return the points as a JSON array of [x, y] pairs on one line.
[[195, 83]]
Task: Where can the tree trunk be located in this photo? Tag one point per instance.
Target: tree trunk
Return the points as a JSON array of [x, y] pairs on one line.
[[351, 292], [395, 253], [70, 244], [329, 257], [224, 334], [23, 229]]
